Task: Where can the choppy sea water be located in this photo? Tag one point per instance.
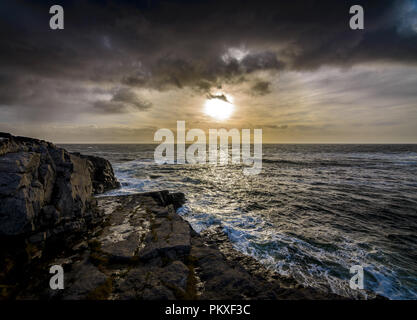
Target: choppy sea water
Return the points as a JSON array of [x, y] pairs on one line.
[[312, 213]]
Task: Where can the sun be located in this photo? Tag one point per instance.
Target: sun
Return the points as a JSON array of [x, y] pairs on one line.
[[218, 108]]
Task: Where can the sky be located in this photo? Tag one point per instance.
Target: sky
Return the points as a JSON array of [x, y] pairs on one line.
[[121, 70]]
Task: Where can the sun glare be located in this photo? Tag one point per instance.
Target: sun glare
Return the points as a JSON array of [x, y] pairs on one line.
[[218, 109]]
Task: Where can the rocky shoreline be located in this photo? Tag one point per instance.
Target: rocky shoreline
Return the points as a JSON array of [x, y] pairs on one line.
[[145, 251], [111, 248]]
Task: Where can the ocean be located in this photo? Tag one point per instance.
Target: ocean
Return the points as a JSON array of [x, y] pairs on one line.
[[312, 213]]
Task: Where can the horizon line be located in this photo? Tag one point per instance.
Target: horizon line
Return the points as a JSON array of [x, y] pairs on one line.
[[264, 143]]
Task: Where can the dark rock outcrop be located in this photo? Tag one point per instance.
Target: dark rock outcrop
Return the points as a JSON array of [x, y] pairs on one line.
[[46, 199], [45, 190], [101, 173]]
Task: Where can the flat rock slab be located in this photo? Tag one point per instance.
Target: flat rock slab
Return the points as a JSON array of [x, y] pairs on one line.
[[124, 235], [169, 236], [140, 227]]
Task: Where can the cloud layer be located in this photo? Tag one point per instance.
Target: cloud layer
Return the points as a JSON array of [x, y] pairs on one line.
[[115, 57]]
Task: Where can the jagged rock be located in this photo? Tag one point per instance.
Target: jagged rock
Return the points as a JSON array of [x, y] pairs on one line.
[[85, 280], [102, 174], [175, 275], [164, 198], [45, 188]]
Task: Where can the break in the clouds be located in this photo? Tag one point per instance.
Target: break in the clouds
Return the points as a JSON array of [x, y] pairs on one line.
[[293, 66]]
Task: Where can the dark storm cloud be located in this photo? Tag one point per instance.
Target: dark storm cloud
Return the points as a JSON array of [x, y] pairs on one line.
[[218, 96], [199, 44], [173, 72], [123, 100]]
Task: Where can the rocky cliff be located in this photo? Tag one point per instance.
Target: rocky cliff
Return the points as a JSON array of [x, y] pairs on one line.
[[46, 198], [45, 190]]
